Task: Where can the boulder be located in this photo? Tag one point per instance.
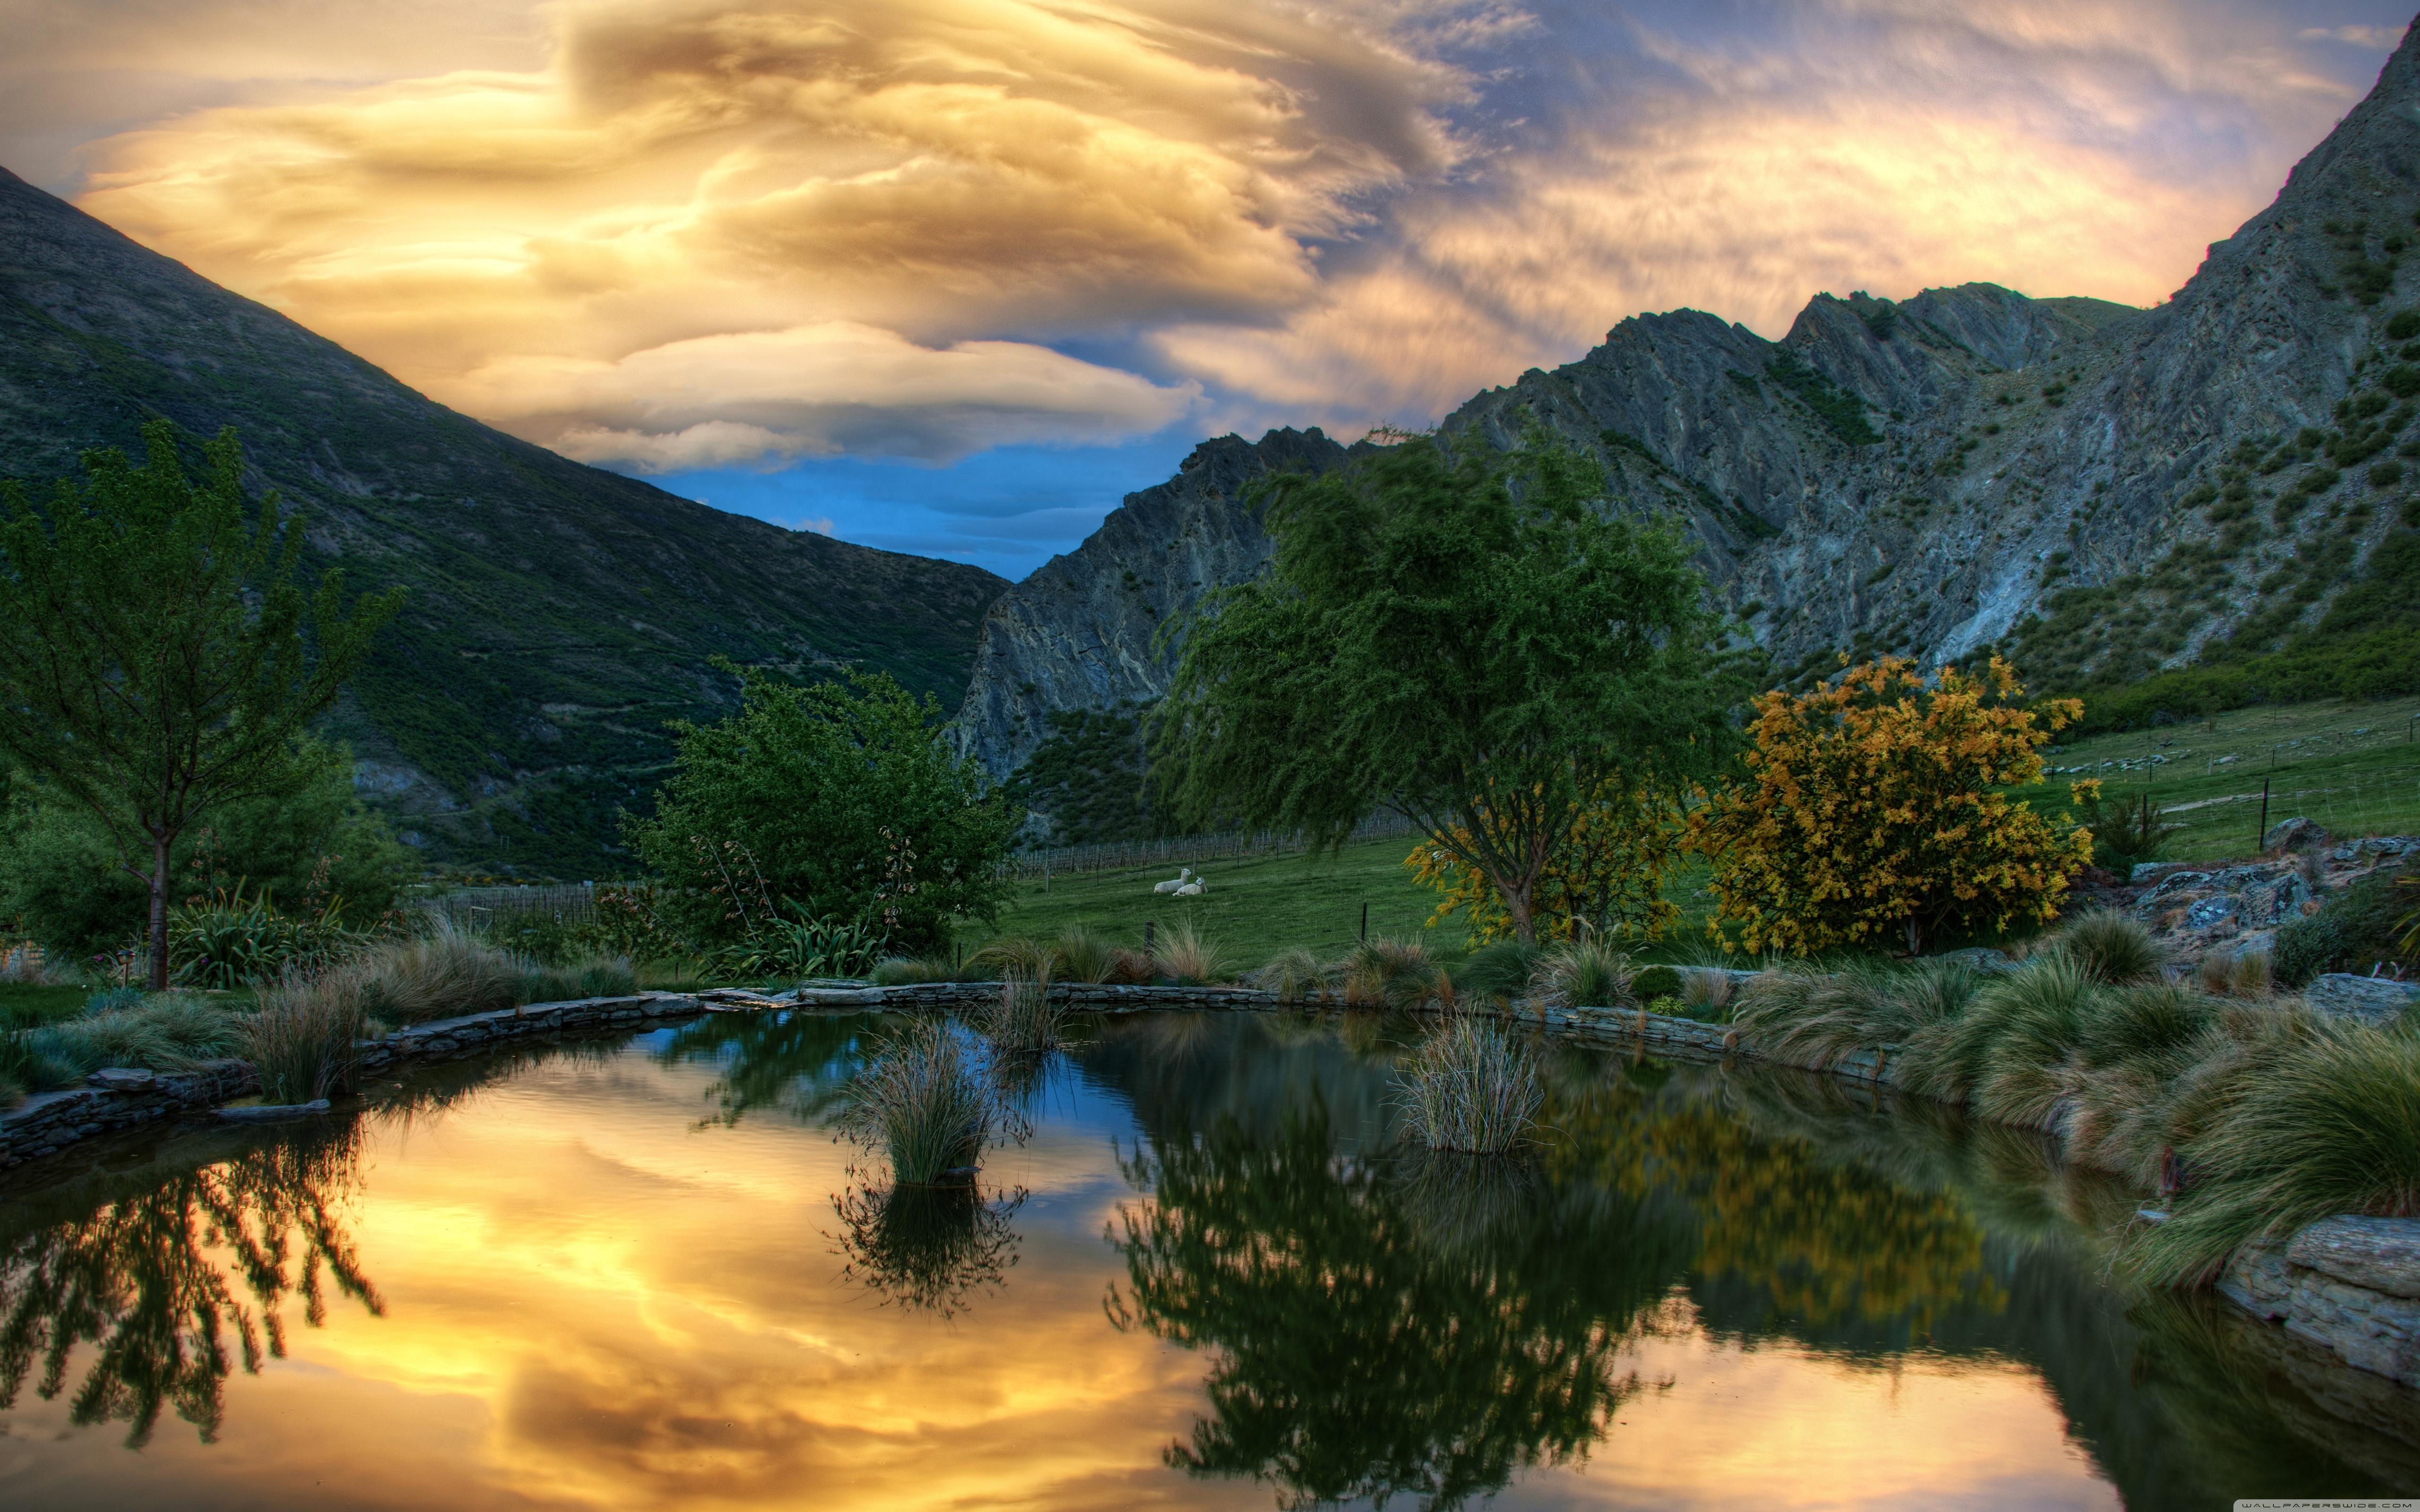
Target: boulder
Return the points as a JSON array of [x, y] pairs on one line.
[[2295, 834], [2371, 999], [2383, 1254]]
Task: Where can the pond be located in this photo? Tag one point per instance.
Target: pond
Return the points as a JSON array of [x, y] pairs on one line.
[[642, 1273]]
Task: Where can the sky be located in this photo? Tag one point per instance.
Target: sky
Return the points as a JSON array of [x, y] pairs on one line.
[[952, 276]]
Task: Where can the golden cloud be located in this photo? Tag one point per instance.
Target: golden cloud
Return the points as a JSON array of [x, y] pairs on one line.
[[953, 171]]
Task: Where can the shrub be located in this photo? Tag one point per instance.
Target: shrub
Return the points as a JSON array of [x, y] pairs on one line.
[[2125, 835], [2353, 931], [1655, 982], [1606, 870], [165, 1031], [922, 1101], [840, 799], [1879, 806], [1469, 1088], [1582, 973], [901, 970], [1189, 958], [1079, 955], [2002, 1051], [2332, 1126], [2113, 949], [230, 940], [2385, 474], [303, 1039]]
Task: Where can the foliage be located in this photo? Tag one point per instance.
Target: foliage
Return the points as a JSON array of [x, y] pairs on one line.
[[921, 1099], [1841, 412], [1457, 636], [2124, 835], [1398, 974], [1605, 872], [450, 971], [315, 847], [1875, 805], [1188, 958], [1088, 776], [2353, 931], [842, 799], [1024, 1020], [1469, 1088], [229, 940], [1494, 973], [1653, 982], [1295, 976], [1819, 1017], [303, 1037], [157, 660], [798, 946]]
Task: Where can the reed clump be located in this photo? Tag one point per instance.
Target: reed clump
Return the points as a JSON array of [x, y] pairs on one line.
[[303, 1039], [1189, 958], [922, 1102], [1470, 1088], [1295, 976], [1024, 1020], [162, 1031], [1397, 974]]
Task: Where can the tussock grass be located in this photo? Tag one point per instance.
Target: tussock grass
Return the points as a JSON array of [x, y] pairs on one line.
[[1494, 973], [302, 1040], [2237, 974], [1708, 993], [1581, 974], [922, 1101], [167, 1031], [1080, 955], [904, 970], [595, 976], [445, 973], [1189, 958], [1295, 976], [2113, 949], [2331, 1127], [1823, 1016], [1397, 974], [1469, 1088]]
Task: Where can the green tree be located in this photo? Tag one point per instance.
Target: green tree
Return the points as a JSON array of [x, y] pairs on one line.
[[61, 883], [840, 800], [1462, 636], [157, 658]]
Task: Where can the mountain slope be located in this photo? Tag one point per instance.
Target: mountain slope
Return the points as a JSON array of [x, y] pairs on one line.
[[2102, 491], [559, 614]]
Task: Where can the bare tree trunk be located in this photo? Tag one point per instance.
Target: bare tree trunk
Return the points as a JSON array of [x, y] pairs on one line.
[[1516, 904], [159, 974], [1915, 936]]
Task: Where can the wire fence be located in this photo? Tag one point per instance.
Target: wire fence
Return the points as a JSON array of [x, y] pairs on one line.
[[2375, 801], [574, 902], [1187, 850]]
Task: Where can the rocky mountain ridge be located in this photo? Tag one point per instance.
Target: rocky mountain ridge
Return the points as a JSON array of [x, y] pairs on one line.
[[2100, 490]]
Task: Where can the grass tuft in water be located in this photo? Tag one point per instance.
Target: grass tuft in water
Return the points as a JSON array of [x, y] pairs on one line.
[[922, 1101], [1023, 1021], [1469, 1088]]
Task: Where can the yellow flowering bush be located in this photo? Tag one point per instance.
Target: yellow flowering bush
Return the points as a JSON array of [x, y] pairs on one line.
[[1607, 872], [1877, 806]]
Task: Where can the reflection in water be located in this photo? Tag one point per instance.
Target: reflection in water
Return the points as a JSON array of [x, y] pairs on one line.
[[150, 1278], [1379, 1331], [928, 1249], [795, 1061]]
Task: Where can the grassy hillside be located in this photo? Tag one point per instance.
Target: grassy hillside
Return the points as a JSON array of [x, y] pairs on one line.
[[559, 614]]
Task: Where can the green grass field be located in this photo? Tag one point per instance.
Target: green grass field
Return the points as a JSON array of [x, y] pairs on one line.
[[22, 1004], [2354, 767]]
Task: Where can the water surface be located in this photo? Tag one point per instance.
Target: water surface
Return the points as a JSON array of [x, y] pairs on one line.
[[642, 1273]]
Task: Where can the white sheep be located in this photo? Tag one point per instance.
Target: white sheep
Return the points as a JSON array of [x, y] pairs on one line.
[[1175, 884], [1194, 889]]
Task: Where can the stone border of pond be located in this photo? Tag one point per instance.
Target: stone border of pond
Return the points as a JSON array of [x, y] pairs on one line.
[[2350, 1284]]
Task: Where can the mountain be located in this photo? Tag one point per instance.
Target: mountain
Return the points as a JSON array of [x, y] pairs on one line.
[[558, 615], [2099, 491]]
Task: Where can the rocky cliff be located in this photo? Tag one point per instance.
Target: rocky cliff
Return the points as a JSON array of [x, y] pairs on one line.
[[2103, 491]]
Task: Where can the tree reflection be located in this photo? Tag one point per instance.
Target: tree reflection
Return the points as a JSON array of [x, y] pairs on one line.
[[1388, 1326], [928, 1248], [797, 1061], [156, 1280]]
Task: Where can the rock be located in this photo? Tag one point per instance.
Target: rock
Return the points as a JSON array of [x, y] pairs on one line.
[[2258, 1280], [1981, 958], [2295, 834], [2381, 1254], [276, 1113], [2371, 999], [121, 1079]]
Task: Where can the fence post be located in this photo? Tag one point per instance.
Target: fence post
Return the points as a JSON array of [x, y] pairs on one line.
[[2262, 833]]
